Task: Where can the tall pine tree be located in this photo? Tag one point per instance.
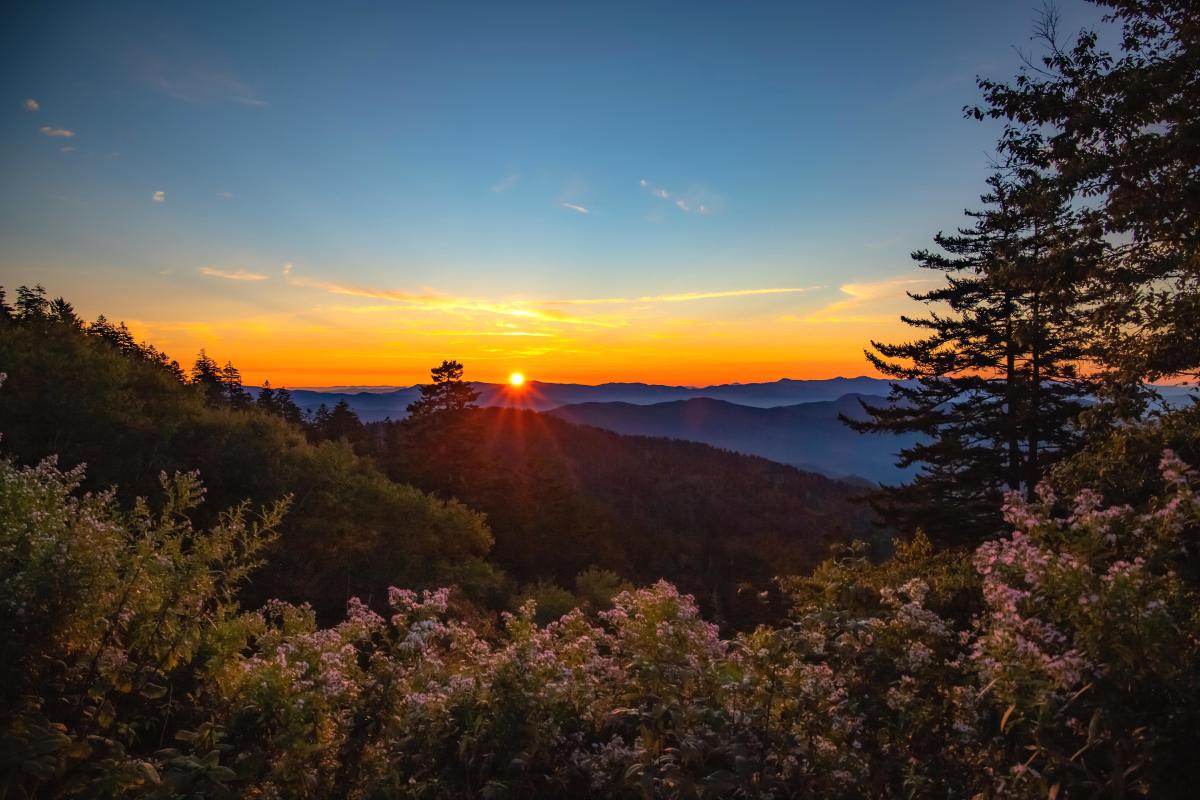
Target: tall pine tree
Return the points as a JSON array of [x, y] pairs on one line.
[[994, 385], [448, 392], [1121, 133], [206, 375]]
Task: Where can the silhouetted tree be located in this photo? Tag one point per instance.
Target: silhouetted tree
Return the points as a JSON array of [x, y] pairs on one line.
[[231, 383], [448, 392], [343, 423], [116, 335], [266, 398], [64, 313], [207, 375], [1120, 132], [286, 407], [32, 303], [994, 386]]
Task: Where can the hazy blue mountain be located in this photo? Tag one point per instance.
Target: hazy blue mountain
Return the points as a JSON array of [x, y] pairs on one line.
[[376, 402], [806, 435]]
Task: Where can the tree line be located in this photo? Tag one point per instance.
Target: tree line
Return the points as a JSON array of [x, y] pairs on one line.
[[1074, 286]]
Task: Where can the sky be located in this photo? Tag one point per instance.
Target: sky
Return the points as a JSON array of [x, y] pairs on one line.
[[348, 193]]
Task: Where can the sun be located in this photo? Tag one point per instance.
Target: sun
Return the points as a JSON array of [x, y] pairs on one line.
[[516, 379]]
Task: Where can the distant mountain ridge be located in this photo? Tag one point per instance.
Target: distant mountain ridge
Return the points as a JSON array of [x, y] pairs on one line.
[[376, 403], [805, 435]]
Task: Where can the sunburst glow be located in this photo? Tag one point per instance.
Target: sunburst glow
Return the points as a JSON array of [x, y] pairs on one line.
[[516, 379]]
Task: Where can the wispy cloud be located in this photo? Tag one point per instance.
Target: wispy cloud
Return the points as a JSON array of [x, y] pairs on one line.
[[31, 104], [865, 302], [159, 197], [287, 269], [67, 149], [225, 195], [682, 298], [535, 334], [194, 81], [505, 183], [543, 313], [575, 207], [431, 301], [235, 275], [48, 130], [695, 201]]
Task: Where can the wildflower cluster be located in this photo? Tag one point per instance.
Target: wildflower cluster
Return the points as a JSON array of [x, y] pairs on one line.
[[1059, 660]]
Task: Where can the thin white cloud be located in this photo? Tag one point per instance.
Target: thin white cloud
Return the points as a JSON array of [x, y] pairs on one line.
[[696, 201], [67, 149], [159, 197], [287, 269], [192, 81], [505, 183], [47, 130], [31, 104], [574, 207], [538, 314], [236, 275], [683, 297], [225, 195], [872, 301]]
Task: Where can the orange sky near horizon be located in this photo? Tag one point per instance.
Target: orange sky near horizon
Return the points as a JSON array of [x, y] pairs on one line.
[[306, 331]]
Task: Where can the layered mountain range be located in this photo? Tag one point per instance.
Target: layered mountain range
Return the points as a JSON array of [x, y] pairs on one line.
[[789, 421]]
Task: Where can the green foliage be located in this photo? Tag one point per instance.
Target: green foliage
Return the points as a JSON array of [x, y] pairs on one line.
[[993, 386], [110, 623], [1118, 132], [597, 587], [562, 498], [447, 393], [1062, 660], [550, 600], [1122, 463], [128, 416]]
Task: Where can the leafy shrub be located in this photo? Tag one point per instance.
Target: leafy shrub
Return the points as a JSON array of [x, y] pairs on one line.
[[1062, 660]]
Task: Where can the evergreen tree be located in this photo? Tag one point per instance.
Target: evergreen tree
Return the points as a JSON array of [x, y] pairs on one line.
[[64, 313], [438, 431], [279, 402], [116, 335], [207, 375], [994, 386], [286, 407], [448, 392], [32, 303], [1120, 132], [231, 384], [340, 423], [266, 399]]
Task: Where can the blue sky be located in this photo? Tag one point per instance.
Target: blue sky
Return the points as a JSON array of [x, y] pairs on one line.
[[503, 152]]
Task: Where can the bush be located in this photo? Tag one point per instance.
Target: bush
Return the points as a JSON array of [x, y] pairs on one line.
[[1062, 660]]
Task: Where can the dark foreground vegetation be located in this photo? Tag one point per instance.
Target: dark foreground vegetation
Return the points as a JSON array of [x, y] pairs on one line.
[[1034, 634], [383, 504]]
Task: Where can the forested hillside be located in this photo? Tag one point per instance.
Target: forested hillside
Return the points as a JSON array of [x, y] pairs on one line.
[[557, 500], [93, 396], [807, 435], [561, 497]]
